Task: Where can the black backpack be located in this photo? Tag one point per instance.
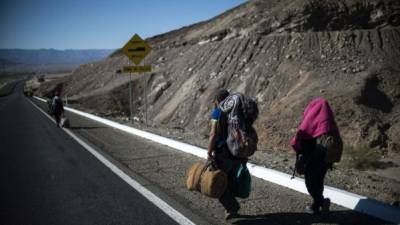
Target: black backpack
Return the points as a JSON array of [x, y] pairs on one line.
[[250, 110], [242, 111], [57, 106]]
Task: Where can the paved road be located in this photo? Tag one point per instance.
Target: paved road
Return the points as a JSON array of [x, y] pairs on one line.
[[80, 196], [48, 178]]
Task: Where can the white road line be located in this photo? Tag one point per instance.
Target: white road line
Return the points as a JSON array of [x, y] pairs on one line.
[[165, 207], [343, 198]]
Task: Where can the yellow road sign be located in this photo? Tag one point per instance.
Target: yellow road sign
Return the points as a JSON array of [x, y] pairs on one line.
[[136, 49], [137, 69]]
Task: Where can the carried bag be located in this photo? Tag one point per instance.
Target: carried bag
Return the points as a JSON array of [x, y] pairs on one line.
[[213, 183], [242, 112], [193, 176], [300, 164], [243, 182], [202, 178], [64, 122], [50, 107], [332, 147]]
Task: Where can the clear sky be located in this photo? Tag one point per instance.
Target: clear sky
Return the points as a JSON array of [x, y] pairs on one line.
[[97, 24]]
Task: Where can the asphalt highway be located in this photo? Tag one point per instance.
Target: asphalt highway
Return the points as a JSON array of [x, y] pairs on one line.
[[46, 177]]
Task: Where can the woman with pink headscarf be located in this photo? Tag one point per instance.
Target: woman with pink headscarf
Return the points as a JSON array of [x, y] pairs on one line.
[[318, 145]]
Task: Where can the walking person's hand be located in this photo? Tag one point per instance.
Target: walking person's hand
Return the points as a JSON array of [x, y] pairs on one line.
[[209, 155]]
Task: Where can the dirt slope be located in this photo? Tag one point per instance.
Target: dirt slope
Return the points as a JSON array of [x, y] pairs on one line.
[[282, 53]]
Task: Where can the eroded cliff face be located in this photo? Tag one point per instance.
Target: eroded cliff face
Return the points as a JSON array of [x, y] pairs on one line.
[[281, 53]]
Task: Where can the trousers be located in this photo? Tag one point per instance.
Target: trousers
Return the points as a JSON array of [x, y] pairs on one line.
[[57, 116], [314, 178], [230, 167]]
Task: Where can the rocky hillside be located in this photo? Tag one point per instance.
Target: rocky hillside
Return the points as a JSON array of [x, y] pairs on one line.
[[283, 53]]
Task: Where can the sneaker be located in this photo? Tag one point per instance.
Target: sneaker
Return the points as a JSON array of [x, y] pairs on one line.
[[230, 215], [326, 204]]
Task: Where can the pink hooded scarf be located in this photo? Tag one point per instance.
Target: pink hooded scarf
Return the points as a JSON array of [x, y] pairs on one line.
[[318, 119]]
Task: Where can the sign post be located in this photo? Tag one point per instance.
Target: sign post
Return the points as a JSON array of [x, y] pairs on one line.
[[136, 49], [130, 97], [145, 97]]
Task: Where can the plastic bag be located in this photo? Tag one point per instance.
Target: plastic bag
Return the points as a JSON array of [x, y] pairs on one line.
[[243, 181]]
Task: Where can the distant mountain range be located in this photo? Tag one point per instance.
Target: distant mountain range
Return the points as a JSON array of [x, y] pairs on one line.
[[51, 56]]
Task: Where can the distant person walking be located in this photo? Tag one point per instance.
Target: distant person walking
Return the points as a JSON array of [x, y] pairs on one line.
[[220, 154], [57, 107], [318, 145]]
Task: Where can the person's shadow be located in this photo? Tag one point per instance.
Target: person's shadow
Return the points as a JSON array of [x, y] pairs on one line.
[[348, 217]]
